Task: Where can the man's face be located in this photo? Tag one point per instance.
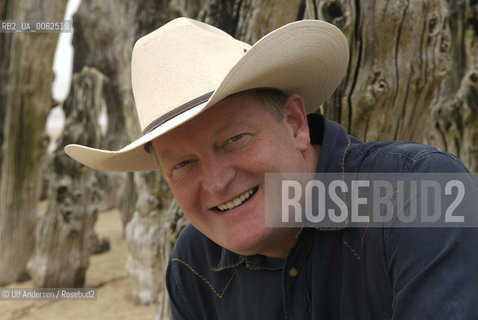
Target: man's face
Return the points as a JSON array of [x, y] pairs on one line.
[[216, 163]]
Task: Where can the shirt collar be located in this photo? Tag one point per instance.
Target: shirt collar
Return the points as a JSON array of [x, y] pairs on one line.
[[335, 143], [229, 260]]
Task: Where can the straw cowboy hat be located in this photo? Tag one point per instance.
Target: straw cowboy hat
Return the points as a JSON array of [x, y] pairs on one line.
[[186, 66]]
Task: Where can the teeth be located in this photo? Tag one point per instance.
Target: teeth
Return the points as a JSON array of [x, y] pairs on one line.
[[235, 202]]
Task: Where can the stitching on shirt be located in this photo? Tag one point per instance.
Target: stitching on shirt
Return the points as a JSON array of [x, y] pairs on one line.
[[352, 250], [342, 166], [228, 266], [345, 200], [255, 268], [200, 276]]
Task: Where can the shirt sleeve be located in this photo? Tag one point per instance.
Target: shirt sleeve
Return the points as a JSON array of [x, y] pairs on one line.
[[433, 271]]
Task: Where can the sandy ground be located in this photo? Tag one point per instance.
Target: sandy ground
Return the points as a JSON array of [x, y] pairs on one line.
[[106, 272]]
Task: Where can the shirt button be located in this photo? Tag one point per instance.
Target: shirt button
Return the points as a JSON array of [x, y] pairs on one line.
[[293, 272]]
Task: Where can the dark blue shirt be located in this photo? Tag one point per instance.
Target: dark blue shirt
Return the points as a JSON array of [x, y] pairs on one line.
[[350, 273]]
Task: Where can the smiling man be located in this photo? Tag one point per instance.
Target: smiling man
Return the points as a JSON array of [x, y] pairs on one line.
[[218, 114], [216, 164]]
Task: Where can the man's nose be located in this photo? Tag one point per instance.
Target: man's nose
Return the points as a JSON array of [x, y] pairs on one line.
[[217, 175]]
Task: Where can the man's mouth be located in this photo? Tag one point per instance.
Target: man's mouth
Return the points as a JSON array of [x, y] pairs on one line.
[[237, 201]]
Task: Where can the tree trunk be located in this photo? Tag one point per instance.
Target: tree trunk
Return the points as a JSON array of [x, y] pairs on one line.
[[399, 54], [64, 233], [145, 237], [170, 229], [25, 101], [249, 20], [413, 71], [108, 47], [454, 125]]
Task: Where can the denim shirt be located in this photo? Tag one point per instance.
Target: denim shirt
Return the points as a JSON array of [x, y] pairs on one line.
[[350, 273]]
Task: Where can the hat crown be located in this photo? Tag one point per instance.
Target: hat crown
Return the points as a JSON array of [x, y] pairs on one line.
[[177, 63]]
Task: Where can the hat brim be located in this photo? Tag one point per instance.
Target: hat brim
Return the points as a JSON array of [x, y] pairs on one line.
[[307, 57]]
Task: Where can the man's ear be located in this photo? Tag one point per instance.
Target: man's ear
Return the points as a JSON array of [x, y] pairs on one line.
[[295, 117]]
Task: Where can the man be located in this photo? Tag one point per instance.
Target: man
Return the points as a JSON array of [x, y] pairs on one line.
[[217, 115]]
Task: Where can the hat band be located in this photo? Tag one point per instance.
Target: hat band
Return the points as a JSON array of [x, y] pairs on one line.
[[177, 111]]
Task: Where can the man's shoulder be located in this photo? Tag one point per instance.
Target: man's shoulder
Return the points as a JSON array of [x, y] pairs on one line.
[[401, 150], [395, 156]]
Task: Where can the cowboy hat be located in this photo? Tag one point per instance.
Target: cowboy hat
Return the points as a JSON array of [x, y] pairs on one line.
[[186, 66]]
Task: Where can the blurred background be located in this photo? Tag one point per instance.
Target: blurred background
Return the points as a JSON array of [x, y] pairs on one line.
[[413, 75]]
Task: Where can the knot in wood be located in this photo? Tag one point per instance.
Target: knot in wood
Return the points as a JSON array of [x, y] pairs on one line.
[[473, 77], [333, 12], [432, 24], [381, 86]]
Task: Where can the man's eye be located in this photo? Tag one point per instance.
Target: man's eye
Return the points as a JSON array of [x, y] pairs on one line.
[[182, 164], [235, 138]]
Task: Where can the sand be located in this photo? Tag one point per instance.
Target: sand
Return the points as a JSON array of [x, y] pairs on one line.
[[106, 272]]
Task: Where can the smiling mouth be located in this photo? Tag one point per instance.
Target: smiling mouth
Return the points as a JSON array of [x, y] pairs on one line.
[[237, 201]]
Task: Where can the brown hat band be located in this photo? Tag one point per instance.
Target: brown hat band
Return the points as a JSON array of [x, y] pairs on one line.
[[176, 111]]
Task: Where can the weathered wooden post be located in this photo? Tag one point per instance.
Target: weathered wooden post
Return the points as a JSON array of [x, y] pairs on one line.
[[63, 234], [25, 101], [454, 122], [399, 55]]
